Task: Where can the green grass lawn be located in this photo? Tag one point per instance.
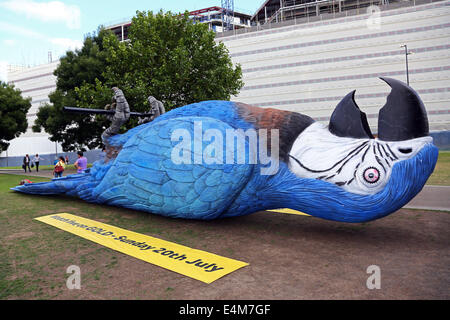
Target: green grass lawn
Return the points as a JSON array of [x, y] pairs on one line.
[[34, 256], [441, 174]]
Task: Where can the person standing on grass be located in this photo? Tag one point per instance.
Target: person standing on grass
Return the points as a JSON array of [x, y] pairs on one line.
[[81, 163], [26, 163], [36, 160], [59, 167]]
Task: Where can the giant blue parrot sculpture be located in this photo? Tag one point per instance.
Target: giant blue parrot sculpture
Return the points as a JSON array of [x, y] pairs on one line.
[[200, 161]]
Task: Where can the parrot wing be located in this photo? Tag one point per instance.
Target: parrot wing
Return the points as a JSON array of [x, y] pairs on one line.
[[145, 175]]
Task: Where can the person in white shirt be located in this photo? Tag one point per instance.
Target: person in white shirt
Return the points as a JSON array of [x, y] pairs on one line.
[[36, 160]]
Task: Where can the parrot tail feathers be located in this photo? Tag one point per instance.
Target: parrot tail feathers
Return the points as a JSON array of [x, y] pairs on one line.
[[78, 185]]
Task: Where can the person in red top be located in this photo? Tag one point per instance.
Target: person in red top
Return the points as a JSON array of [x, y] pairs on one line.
[[59, 168]]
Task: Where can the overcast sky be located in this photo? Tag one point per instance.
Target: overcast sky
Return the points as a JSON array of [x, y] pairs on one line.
[[32, 28]]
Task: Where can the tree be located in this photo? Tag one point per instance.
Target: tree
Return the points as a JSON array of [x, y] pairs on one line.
[[13, 114], [77, 68], [167, 56], [173, 59]]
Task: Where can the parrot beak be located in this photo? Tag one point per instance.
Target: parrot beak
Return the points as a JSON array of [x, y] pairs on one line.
[[348, 120], [403, 117]]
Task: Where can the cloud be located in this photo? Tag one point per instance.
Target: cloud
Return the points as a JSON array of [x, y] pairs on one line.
[[67, 43], [53, 11], [3, 71], [9, 42], [18, 30], [21, 31], [56, 45]]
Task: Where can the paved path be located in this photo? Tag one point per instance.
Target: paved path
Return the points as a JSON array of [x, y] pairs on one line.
[[41, 173], [430, 198]]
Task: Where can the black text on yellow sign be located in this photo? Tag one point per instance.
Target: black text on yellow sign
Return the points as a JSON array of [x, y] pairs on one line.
[[197, 264]]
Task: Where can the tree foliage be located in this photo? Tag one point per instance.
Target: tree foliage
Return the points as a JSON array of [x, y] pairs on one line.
[[167, 56], [76, 69], [173, 59], [13, 114]]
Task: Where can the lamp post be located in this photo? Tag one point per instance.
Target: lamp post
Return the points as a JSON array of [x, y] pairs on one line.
[[406, 57]]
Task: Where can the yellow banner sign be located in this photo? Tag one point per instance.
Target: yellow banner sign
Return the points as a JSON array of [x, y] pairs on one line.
[[197, 264], [289, 211]]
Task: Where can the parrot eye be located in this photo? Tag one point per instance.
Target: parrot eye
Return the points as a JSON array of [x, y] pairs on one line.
[[371, 175]]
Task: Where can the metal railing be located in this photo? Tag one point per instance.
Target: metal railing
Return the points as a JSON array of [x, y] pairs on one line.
[[346, 12]]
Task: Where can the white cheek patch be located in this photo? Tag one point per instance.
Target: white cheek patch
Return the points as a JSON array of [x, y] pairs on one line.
[[361, 166]]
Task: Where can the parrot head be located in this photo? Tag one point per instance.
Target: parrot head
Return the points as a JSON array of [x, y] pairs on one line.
[[366, 177]]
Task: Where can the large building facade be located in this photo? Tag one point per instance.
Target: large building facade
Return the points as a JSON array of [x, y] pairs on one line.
[[35, 83], [308, 67], [307, 64]]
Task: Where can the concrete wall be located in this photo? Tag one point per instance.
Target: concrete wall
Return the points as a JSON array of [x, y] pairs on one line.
[[92, 156], [441, 139]]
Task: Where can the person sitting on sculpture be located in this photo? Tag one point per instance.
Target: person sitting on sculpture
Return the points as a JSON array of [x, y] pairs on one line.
[[121, 115], [156, 108]]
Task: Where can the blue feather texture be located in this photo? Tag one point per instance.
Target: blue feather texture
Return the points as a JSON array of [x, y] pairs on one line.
[[328, 201], [144, 176]]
